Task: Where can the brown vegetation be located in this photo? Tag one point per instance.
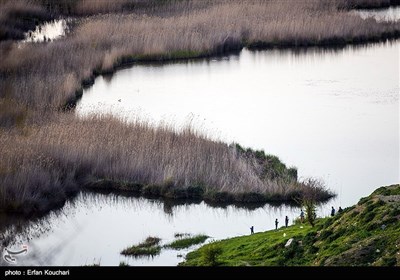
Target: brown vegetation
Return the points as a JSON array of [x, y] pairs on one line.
[[48, 74], [42, 164], [47, 154]]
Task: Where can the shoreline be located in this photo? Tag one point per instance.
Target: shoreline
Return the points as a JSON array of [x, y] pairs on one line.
[[131, 61], [153, 191], [67, 103], [360, 235]]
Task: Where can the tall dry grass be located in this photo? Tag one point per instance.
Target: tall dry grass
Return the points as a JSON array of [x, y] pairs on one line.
[[46, 155], [40, 165], [48, 74]]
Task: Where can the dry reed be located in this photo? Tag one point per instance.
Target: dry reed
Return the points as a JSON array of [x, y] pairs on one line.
[[46, 155], [47, 75], [41, 165]]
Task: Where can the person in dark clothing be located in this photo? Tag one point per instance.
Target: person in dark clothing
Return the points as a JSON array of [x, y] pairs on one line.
[[302, 216], [286, 221], [340, 210], [276, 223], [333, 212], [252, 230]]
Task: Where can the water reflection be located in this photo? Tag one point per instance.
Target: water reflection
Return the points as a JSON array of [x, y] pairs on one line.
[[48, 31], [333, 113], [95, 227]]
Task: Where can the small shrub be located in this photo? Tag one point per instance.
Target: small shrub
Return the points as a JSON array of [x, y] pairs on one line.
[[210, 254]]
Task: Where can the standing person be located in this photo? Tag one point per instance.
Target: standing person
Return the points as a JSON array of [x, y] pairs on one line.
[[286, 221], [302, 216], [332, 212], [252, 230], [276, 223], [340, 210]]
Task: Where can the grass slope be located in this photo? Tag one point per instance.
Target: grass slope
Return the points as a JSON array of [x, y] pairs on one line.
[[362, 235]]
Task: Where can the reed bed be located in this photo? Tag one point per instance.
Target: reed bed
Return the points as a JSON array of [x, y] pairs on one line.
[[48, 75], [42, 165], [47, 155]]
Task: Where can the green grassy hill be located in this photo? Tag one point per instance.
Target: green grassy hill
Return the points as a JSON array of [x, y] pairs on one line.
[[362, 235]]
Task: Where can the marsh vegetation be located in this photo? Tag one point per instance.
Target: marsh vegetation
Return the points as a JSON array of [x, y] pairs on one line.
[[148, 247], [185, 242], [49, 154]]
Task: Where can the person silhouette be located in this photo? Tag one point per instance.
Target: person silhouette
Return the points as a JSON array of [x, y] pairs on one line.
[[252, 230], [332, 212], [340, 210], [276, 223], [302, 216], [286, 221]]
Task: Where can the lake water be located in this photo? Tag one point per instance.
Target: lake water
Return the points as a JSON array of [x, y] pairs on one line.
[[332, 113], [94, 228]]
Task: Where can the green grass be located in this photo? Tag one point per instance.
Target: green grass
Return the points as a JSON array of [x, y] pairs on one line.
[[149, 247], [362, 235], [186, 242]]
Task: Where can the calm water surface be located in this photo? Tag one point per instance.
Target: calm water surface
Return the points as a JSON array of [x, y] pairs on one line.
[[332, 113], [94, 228]]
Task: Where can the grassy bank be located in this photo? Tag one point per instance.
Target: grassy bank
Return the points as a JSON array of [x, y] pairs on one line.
[[48, 156], [362, 235]]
